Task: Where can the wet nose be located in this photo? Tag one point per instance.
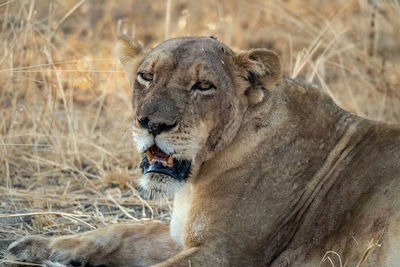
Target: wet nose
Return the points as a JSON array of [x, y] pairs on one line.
[[155, 128]]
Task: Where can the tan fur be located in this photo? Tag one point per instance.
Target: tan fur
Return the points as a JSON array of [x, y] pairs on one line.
[[281, 176], [130, 53]]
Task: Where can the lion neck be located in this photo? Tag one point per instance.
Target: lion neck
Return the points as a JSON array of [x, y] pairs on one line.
[[281, 157], [289, 113]]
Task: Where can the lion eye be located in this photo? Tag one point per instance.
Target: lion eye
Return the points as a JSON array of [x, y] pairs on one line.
[[203, 85], [147, 76]]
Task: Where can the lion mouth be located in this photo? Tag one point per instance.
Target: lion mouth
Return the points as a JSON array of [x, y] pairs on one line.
[[157, 161], [155, 154]]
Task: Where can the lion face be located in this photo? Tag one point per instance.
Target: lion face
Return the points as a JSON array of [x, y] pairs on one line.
[[189, 97]]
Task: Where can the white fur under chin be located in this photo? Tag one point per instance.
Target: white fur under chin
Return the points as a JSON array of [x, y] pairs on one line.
[[155, 185]]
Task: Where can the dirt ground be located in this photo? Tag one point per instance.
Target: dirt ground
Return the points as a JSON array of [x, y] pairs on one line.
[[67, 161]]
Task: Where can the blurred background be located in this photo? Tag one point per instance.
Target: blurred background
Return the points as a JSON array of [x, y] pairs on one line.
[[67, 162]]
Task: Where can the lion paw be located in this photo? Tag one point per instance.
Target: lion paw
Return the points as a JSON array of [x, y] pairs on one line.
[[35, 249], [31, 249]]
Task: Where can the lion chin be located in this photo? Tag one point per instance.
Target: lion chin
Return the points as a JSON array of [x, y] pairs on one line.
[[156, 185]]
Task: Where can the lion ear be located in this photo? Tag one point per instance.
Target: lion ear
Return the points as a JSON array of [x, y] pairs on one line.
[[262, 68], [130, 53]]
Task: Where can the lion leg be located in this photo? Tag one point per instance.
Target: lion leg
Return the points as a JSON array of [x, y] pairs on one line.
[[184, 259], [210, 254], [115, 245]]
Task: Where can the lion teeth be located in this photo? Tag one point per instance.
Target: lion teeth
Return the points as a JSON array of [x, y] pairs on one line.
[[170, 160], [149, 156]]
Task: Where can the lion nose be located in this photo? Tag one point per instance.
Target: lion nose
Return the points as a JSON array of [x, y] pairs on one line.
[[154, 127]]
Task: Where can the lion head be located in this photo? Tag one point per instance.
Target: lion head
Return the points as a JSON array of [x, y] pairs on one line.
[[189, 97]]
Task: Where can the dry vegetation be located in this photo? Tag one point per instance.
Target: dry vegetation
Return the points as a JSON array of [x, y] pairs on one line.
[[67, 162]]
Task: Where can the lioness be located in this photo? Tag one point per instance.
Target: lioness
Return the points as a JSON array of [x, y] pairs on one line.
[[265, 171]]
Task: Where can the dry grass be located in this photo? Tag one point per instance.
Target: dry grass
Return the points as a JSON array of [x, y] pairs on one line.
[[67, 160]]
